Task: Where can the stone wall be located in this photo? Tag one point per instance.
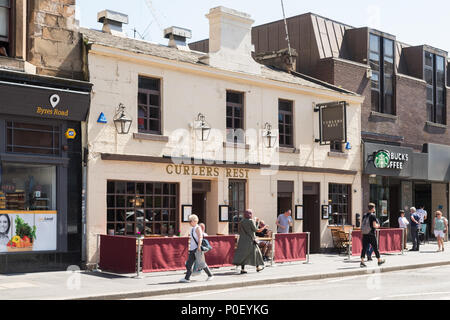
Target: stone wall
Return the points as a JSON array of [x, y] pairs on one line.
[[54, 43]]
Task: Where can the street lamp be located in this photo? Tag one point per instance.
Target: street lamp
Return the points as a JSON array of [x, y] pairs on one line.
[[268, 136], [122, 121], [202, 128]]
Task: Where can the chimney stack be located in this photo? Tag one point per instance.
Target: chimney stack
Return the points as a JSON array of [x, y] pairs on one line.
[[177, 37], [230, 41], [281, 59], [112, 22]]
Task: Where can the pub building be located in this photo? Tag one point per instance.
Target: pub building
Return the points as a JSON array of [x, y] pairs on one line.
[[174, 132], [40, 171], [405, 113]]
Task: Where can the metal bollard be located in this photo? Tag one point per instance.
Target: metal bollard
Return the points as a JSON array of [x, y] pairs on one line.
[[309, 246], [350, 244], [403, 239], [273, 249], [138, 267]]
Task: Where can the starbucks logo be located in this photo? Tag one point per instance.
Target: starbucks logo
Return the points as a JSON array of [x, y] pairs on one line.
[[382, 159]]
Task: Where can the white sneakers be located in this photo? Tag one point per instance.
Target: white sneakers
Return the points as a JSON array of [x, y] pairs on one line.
[[210, 278], [184, 280]]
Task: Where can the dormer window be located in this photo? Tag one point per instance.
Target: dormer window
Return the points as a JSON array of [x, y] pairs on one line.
[[381, 59]]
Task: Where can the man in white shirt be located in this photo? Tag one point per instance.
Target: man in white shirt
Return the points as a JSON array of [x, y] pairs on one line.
[[422, 213], [403, 223]]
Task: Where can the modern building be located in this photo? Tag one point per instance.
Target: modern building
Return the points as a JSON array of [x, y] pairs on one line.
[[43, 108], [212, 134], [405, 114]]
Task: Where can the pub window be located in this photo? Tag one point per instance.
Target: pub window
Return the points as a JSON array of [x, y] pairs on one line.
[[336, 146], [5, 14], [236, 198], [149, 105], [145, 207], [235, 117], [434, 72], [32, 138], [381, 59], [285, 123], [339, 199]]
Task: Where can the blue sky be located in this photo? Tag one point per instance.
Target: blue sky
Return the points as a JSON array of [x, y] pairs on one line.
[[414, 22]]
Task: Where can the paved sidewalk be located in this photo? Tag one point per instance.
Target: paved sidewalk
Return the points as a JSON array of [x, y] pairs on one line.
[[100, 285]]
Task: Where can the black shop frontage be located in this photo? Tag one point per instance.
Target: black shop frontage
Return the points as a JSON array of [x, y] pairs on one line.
[[396, 178], [41, 171]]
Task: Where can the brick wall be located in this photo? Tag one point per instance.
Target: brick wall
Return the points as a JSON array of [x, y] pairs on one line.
[[54, 44]]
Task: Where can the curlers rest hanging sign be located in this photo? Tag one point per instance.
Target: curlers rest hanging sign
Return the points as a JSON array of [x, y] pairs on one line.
[[385, 159]]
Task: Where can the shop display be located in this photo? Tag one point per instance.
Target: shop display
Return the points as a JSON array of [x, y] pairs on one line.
[[24, 238], [2, 201], [15, 200]]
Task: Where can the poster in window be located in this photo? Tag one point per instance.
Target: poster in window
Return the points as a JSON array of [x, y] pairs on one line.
[[223, 213], [298, 212], [187, 211], [325, 212], [384, 208]]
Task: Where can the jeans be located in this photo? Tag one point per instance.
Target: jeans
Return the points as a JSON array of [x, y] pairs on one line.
[[369, 239], [190, 263], [415, 237]]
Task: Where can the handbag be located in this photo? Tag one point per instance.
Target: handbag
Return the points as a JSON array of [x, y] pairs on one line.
[[205, 246]]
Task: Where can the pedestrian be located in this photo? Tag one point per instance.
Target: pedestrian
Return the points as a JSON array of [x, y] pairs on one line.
[[248, 252], [415, 227], [195, 269], [440, 229], [422, 213], [403, 224], [284, 221], [369, 224], [195, 252]]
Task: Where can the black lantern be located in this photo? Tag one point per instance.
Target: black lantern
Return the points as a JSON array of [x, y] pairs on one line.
[[269, 137], [202, 128], [122, 121]]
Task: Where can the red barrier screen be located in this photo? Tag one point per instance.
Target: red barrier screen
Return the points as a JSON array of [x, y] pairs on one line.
[[356, 242], [290, 247], [223, 251], [118, 254], [390, 240], [164, 254]]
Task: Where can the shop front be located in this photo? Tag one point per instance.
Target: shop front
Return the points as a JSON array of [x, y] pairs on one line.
[[396, 178], [40, 172]]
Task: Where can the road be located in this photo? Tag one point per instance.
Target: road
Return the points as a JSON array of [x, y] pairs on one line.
[[417, 284]]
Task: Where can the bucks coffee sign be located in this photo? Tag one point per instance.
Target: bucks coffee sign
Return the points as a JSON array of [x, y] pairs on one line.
[[332, 121], [385, 159]]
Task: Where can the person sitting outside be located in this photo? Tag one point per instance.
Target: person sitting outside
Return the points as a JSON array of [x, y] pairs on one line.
[[264, 232]]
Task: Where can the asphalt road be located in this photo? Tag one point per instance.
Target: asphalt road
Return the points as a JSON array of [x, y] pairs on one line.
[[417, 284]]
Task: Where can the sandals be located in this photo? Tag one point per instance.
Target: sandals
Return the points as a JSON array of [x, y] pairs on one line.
[[258, 269]]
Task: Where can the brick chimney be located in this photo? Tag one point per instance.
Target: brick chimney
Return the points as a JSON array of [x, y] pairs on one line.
[[230, 43], [280, 59]]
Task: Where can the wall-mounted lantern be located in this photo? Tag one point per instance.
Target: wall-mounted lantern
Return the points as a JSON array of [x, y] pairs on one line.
[[268, 136], [122, 121], [202, 128]]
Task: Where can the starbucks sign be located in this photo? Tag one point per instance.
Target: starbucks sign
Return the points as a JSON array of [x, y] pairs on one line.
[[384, 159]]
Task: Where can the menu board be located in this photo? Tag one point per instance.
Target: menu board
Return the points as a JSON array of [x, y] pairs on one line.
[[25, 231]]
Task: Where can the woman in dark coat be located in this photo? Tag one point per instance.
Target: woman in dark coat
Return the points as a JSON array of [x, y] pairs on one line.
[[248, 252]]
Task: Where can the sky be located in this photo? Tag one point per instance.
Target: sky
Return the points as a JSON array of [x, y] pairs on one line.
[[414, 22]]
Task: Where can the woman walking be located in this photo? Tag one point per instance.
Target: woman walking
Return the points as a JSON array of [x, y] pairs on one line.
[[248, 252], [440, 229], [195, 252]]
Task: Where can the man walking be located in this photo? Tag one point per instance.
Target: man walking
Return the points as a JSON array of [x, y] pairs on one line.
[[368, 227], [415, 227]]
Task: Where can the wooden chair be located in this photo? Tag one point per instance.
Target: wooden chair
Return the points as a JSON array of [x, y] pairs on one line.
[[336, 239], [345, 239]]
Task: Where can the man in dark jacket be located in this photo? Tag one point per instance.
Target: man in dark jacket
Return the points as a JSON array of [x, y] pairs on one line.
[[368, 227]]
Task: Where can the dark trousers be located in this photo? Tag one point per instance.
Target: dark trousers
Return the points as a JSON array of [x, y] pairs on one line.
[[190, 262], [415, 237], [369, 239]]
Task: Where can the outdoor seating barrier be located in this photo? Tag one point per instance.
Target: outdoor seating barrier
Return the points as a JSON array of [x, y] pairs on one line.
[[291, 247], [390, 240], [117, 254]]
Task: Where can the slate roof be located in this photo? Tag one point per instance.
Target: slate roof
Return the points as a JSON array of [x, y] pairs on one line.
[[161, 51]]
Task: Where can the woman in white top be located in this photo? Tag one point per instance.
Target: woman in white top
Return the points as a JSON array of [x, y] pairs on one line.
[[403, 223], [195, 251]]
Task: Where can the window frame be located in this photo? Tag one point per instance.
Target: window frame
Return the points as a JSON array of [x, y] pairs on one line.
[[433, 105], [234, 106], [282, 124], [233, 226], [8, 40], [147, 118], [381, 90], [340, 194]]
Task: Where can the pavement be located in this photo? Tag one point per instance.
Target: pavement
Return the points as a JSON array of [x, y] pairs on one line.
[[97, 285]]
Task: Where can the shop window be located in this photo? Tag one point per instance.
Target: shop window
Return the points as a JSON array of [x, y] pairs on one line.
[[339, 199], [32, 138], [235, 117], [381, 60], [5, 22], [27, 187], [149, 105], [145, 207], [285, 123], [236, 198]]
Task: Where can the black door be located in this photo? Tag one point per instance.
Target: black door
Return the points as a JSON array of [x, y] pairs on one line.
[[199, 206], [311, 216]]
